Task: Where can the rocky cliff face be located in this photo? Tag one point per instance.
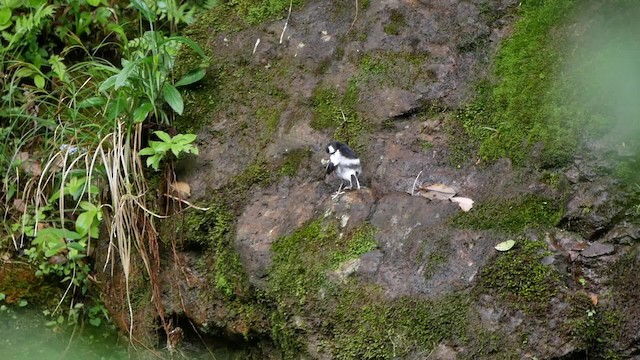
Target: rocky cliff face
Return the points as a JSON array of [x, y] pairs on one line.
[[384, 272]]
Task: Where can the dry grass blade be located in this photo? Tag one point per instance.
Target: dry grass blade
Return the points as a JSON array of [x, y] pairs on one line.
[[130, 223]]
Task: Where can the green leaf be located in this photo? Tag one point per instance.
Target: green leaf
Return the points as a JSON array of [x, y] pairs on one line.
[[83, 222], [123, 76], [505, 245], [23, 303], [87, 206], [141, 112], [116, 106], [54, 250], [147, 152], [144, 9], [107, 84], [93, 3], [39, 81], [185, 138], [58, 67], [2, 296], [154, 161], [173, 98], [5, 15], [176, 149], [94, 231], [76, 246], [191, 77], [163, 136], [24, 72], [160, 147], [192, 44], [95, 321], [91, 102]]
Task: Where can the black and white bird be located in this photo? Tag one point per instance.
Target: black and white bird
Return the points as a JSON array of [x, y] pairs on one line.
[[344, 161]]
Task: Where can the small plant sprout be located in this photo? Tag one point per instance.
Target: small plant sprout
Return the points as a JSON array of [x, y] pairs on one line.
[[178, 144]]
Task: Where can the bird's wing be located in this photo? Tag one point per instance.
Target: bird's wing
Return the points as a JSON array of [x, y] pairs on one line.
[[330, 167]]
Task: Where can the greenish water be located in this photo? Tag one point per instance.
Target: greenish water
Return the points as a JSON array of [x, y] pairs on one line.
[[24, 336]]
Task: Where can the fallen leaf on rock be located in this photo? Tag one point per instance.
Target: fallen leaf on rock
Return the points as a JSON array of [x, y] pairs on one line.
[[436, 192], [579, 246], [465, 203], [505, 245], [180, 189], [594, 298]]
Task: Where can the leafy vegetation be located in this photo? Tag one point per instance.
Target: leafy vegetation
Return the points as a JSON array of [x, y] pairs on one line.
[[72, 130], [157, 150]]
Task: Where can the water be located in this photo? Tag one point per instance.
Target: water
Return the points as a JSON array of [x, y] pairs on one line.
[[24, 336]]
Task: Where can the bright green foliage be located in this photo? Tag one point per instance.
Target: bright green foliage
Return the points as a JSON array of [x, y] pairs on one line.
[[63, 111], [157, 150], [143, 84]]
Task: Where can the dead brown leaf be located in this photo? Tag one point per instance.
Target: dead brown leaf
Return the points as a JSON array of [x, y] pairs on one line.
[[465, 203], [19, 205], [436, 191], [594, 298], [34, 168], [180, 190]]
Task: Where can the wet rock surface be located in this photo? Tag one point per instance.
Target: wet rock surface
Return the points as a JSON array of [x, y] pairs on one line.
[[434, 51]]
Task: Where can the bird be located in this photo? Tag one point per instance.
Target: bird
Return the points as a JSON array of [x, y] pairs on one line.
[[344, 161]]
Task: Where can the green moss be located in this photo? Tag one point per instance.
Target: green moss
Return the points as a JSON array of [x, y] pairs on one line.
[[298, 262], [368, 327], [526, 107], [433, 262], [18, 282], [426, 145], [512, 215], [236, 15], [596, 328], [392, 69], [360, 242], [333, 110], [518, 276], [211, 230], [292, 161], [396, 23], [230, 87], [355, 321]]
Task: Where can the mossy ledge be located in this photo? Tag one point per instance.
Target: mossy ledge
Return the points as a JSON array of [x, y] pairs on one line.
[[527, 105], [519, 277], [512, 215], [354, 320]]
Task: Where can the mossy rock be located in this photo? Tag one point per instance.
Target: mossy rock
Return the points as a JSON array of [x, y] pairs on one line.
[[519, 277], [512, 215]]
